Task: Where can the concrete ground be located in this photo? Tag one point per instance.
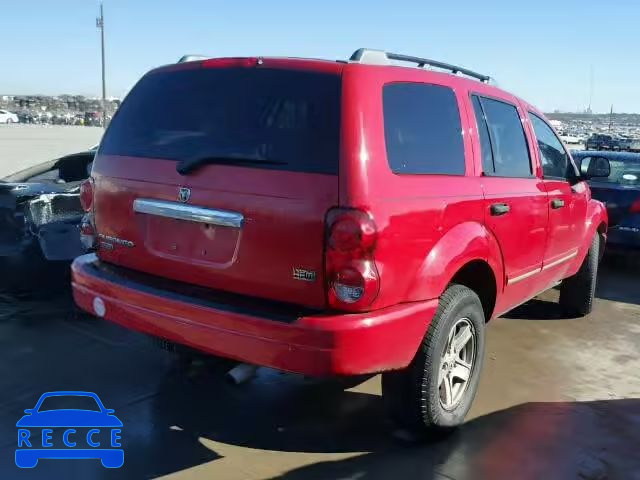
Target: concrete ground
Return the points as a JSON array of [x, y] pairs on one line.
[[22, 146], [559, 398]]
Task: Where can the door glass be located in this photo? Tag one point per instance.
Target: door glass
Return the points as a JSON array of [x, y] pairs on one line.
[[555, 160], [422, 129], [485, 141], [510, 152]]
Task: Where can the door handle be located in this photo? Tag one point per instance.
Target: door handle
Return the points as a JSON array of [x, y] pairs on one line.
[[498, 209], [557, 203]]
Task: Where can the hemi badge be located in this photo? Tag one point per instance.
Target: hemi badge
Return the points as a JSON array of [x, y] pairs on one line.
[[304, 275]]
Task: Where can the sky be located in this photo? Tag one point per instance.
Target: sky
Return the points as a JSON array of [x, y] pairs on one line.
[[541, 50]]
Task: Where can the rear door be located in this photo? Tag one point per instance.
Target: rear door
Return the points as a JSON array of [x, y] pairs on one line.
[[515, 200], [220, 174], [568, 196]]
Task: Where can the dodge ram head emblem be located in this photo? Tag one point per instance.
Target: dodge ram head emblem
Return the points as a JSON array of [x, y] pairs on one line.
[[184, 194]]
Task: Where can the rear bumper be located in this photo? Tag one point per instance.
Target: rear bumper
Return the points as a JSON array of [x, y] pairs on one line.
[[312, 344]]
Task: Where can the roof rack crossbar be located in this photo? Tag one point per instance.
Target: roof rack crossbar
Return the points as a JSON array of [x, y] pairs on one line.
[[361, 56], [192, 58]]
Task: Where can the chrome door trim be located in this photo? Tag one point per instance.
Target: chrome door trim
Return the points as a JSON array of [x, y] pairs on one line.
[[524, 276], [190, 213], [560, 260]]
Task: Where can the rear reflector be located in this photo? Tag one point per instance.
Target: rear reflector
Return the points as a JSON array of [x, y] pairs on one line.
[[99, 308], [635, 207]]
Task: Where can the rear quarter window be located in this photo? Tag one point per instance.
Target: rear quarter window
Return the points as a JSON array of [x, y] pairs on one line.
[[422, 129], [291, 118]]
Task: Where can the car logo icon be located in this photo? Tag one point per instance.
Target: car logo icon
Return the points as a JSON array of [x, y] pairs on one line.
[[53, 430], [184, 194]]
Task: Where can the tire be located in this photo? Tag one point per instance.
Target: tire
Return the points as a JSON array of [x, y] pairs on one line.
[[413, 396], [9, 121], [577, 292]]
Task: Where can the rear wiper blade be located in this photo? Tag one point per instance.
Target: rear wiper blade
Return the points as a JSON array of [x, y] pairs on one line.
[[189, 165]]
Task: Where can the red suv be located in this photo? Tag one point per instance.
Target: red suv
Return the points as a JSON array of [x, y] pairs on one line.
[[335, 218]]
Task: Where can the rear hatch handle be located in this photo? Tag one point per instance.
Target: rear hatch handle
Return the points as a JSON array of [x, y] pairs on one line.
[[190, 213]]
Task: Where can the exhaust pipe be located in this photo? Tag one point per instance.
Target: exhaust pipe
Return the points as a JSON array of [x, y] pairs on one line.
[[242, 373]]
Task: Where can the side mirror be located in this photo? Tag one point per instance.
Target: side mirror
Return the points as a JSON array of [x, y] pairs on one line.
[[109, 411], [595, 167], [29, 411]]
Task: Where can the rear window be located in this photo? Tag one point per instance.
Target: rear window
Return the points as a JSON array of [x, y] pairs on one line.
[[289, 119], [422, 129]]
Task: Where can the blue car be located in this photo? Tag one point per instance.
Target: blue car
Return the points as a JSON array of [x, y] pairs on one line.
[[620, 192], [53, 430]]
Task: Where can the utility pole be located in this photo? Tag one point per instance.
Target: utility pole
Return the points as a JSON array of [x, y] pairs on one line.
[[100, 25], [590, 89], [611, 118]]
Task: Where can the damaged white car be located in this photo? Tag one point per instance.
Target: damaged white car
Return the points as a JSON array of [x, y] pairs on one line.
[[40, 215]]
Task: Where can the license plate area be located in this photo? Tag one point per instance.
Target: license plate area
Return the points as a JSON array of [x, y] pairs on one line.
[[191, 241]]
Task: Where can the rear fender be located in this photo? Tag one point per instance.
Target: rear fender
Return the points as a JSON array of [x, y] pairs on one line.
[[464, 243]]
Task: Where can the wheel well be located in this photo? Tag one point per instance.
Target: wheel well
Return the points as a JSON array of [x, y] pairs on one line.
[[479, 277], [602, 232]]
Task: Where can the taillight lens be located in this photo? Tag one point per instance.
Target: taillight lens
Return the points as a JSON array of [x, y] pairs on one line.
[[635, 206], [86, 195], [351, 231], [352, 277]]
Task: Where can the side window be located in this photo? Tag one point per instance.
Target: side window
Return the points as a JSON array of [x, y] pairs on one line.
[[422, 129], [508, 142], [483, 132], [555, 160]]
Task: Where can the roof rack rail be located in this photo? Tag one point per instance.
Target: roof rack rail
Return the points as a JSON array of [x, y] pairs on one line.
[[380, 57], [192, 58]]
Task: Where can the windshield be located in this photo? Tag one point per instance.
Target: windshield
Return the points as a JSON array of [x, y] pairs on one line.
[[66, 402], [288, 118]]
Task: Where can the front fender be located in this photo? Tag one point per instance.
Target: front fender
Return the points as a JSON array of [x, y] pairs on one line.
[[462, 244], [596, 215]]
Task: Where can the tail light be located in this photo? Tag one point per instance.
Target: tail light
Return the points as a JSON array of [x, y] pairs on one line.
[[635, 206], [86, 195], [88, 232], [352, 277], [87, 227]]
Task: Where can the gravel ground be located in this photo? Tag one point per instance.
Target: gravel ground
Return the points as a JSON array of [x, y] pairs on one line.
[[22, 146]]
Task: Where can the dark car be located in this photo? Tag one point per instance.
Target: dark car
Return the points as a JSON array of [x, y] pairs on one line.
[[620, 192], [600, 141], [40, 215]]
